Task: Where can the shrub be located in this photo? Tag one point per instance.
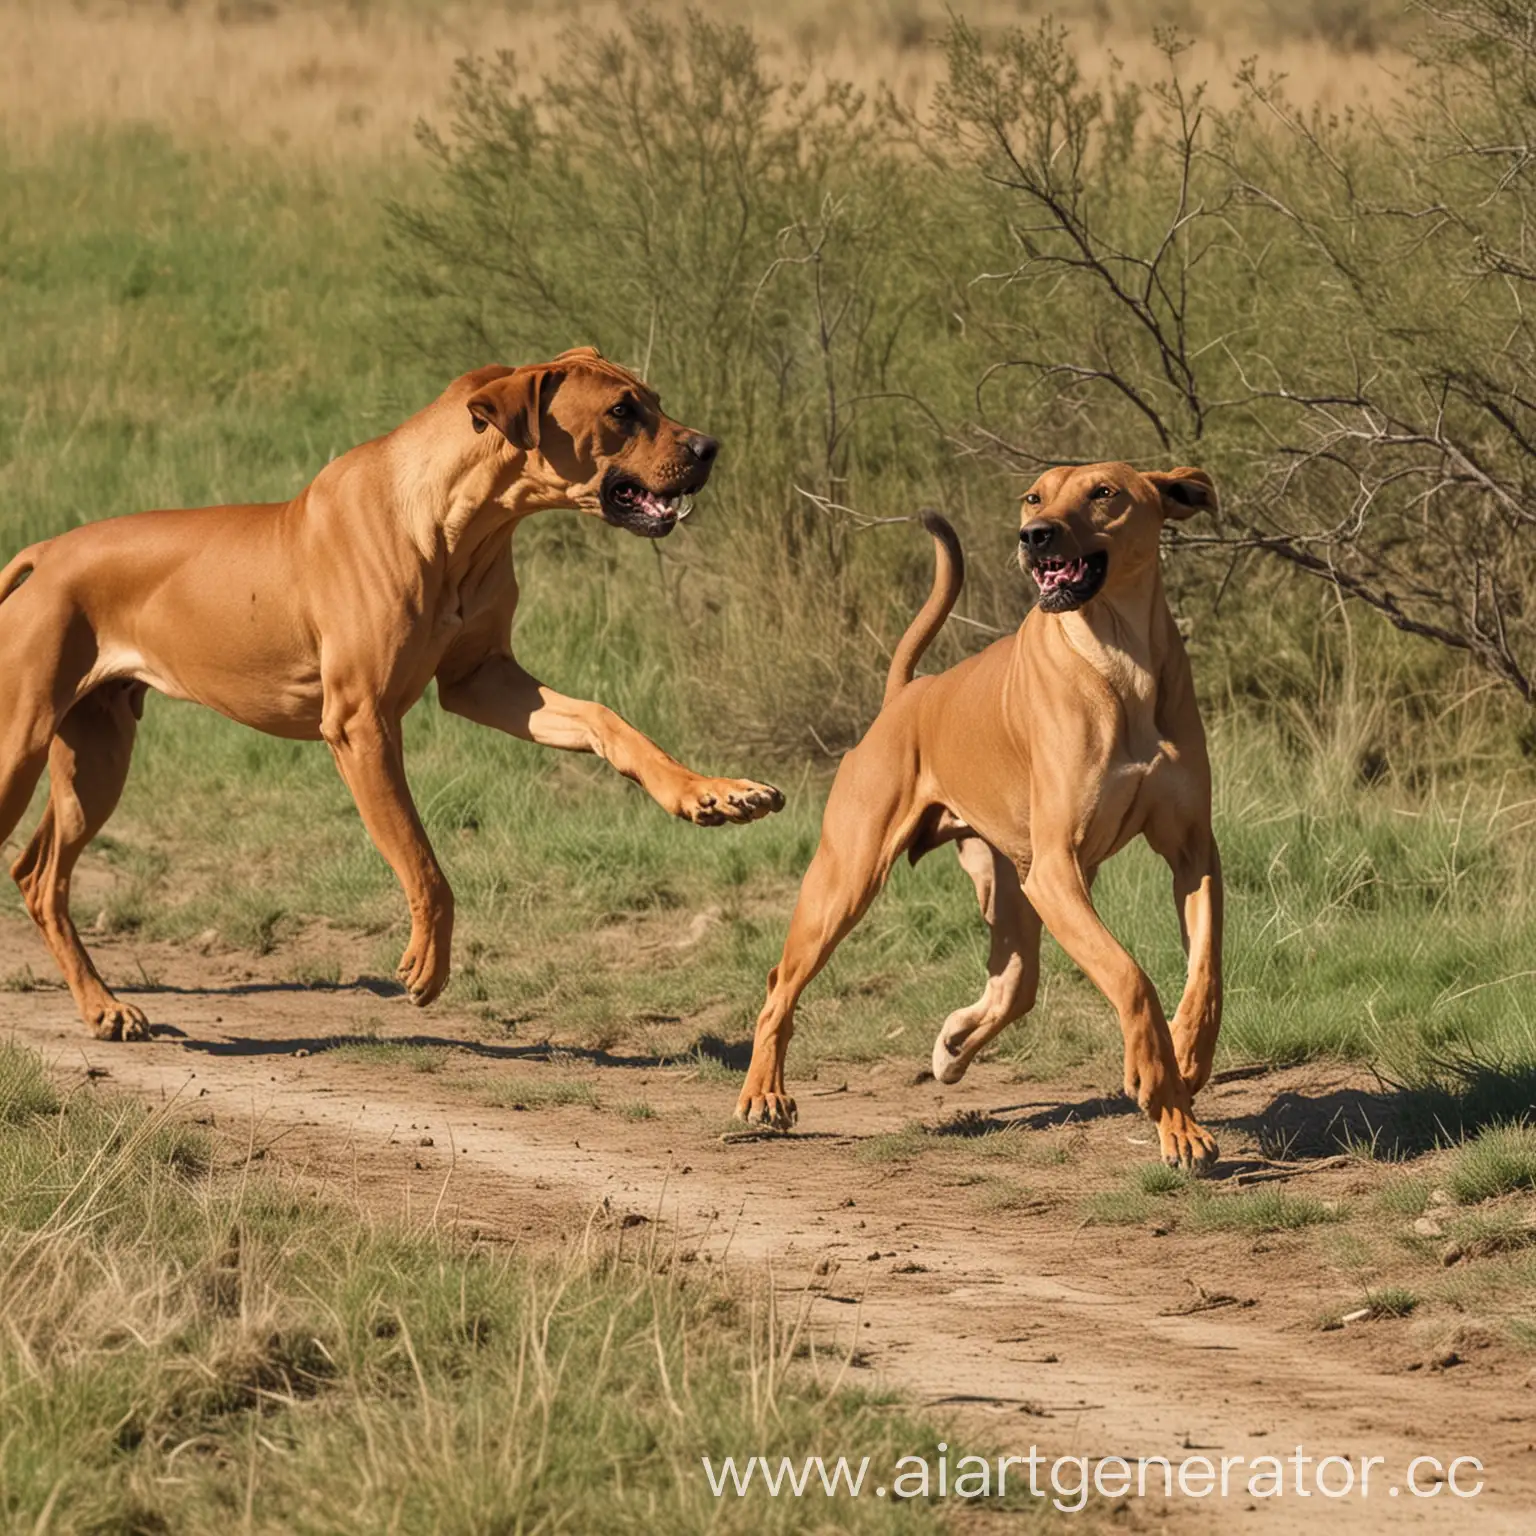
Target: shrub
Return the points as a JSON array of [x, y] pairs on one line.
[[877, 306]]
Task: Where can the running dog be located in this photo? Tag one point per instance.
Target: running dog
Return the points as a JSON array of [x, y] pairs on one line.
[[1040, 758]]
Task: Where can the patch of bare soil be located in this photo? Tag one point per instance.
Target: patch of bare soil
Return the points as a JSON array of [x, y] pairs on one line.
[[1029, 1325]]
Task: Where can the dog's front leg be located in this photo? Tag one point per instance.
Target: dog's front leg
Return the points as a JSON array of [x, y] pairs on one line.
[[367, 748], [1056, 887], [497, 692]]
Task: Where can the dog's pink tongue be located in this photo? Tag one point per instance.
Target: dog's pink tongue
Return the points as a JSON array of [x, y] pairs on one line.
[[1052, 576], [652, 504]]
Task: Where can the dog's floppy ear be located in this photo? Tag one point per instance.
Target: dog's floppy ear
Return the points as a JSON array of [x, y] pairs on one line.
[[1184, 491], [513, 405]]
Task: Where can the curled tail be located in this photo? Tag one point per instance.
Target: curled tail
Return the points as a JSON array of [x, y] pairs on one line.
[[22, 565], [948, 577]]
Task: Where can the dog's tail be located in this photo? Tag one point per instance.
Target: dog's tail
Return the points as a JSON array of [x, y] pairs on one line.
[[22, 565], [948, 577]]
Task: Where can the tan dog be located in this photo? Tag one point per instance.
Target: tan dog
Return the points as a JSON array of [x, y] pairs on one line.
[[326, 617], [1041, 757]]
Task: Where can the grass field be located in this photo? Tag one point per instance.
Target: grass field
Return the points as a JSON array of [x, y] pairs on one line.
[[191, 1343], [199, 302]]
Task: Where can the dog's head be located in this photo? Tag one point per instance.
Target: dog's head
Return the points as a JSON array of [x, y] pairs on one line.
[[1095, 528], [599, 437]]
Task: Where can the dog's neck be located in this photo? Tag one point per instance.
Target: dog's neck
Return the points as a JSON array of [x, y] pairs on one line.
[[1121, 636], [456, 509]]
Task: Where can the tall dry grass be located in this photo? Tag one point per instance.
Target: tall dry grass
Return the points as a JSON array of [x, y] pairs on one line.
[[349, 78], [191, 1344]]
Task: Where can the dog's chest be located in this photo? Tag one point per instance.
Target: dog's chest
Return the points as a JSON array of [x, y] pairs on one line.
[[1137, 760], [1125, 668], [467, 600], [1127, 794]]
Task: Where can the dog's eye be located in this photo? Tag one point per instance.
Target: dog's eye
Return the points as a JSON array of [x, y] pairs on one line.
[[1099, 492], [621, 411], [1032, 500]]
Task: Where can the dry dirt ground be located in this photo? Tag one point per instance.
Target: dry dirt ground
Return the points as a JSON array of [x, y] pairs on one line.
[[1029, 1325]]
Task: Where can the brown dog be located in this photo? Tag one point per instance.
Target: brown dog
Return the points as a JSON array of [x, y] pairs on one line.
[[326, 617], [1041, 757]]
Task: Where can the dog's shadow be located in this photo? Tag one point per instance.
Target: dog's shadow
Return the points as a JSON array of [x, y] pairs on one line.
[[1042, 1115], [1456, 1099], [377, 986], [732, 1055], [319, 1045], [1393, 1121]]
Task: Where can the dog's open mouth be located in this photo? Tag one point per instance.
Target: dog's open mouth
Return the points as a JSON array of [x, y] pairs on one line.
[[627, 503], [1068, 584]]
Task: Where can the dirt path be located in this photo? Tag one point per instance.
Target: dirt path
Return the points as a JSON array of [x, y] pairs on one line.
[[1034, 1327]]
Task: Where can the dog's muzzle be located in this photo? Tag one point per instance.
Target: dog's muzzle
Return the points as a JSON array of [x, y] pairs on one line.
[[627, 502], [1064, 583]]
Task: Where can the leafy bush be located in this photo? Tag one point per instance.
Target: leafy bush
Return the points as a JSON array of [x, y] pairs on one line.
[[1330, 312], [877, 306], [759, 251]]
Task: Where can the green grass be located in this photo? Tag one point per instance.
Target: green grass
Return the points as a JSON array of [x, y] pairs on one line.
[[1496, 1161], [1259, 1210], [1120, 1208], [901, 1146], [1484, 1233], [1156, 1193], [1406, 1195], [1003, 1195], [391, 1054], [187, 1350], [1159, 1179], [1391, 1301], [26, 1093], [1144, 1199], [528, 1092]]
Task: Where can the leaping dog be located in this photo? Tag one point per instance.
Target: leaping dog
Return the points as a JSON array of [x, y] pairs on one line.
[[1040, 758], [326, 617]]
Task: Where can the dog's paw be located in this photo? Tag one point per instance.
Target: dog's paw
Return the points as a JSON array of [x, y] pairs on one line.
[[774, 1110], [1161, 1092], [1194, 1046], [1186, 1145], [112, 1020], [950, 1058], [713, 802], [423, 970]]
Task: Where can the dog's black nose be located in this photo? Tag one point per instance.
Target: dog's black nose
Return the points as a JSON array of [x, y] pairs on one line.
[[1038, 536], [703, 448]]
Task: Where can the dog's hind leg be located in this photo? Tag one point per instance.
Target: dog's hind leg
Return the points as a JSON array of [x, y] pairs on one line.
[[1013, 967], [29, 712], [1197, 892], [87, 768], [870, 818], [22, 760]]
